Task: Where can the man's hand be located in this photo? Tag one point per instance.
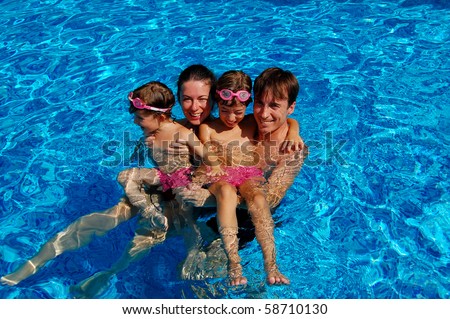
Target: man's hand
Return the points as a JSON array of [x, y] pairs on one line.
[[195, 196], [293, 145]]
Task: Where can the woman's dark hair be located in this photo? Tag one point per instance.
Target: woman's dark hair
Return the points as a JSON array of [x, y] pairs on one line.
[[196, 72]]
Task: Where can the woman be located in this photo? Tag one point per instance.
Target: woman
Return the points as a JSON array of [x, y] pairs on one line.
[[195, 88]]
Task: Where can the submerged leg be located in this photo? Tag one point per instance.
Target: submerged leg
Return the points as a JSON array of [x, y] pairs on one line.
[[231, 244], [226, 196], [146, 237], [133, 181], [76, 235], [264, 226], [138, 248]]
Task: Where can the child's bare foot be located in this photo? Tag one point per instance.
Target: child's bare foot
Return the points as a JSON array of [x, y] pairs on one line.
[[239, 281], [24, 271], [274, 276], [235, 274], [5, 281]]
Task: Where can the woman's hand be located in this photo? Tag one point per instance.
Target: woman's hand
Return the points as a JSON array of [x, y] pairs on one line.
[[149, 140], [215, 170], [179, 147]]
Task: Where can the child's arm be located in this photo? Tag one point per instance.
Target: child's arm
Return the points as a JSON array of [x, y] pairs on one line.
[[204, 133], [293, 140], [210, 157], [191, 140]]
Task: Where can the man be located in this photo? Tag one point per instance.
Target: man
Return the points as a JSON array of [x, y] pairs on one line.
[[275, 92]]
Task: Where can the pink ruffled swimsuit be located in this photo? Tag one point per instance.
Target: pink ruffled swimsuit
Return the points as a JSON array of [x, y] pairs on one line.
[[236, 175], [180, 178]]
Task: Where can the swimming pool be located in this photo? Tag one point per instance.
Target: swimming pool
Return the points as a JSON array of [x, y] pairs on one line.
[[368, 216]]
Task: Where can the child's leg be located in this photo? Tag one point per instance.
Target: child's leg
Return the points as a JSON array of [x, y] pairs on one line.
[[76, 235], [137, 248], [226, 197], [261, 216], [132, 181], [146, 237]]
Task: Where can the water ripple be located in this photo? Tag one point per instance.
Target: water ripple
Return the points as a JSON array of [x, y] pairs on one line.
[[369, 223]]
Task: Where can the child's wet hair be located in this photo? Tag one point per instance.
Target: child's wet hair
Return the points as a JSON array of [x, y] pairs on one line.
[[234, 80], [156, 94], [279, 82]]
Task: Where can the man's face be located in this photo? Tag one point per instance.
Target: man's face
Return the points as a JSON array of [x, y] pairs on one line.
[[271, 113]]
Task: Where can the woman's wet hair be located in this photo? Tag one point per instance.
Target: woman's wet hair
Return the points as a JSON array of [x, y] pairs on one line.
[[279, 82], [196, 72], [155, 94], [234, 80]]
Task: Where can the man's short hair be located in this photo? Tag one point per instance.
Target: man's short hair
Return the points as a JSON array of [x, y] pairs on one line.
[[279, 82]]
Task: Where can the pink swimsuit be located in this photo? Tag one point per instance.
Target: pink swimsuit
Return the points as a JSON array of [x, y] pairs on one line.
[[180, 178], [236, 175]]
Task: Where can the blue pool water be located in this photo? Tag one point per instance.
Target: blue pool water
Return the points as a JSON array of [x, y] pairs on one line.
[[367, 217]]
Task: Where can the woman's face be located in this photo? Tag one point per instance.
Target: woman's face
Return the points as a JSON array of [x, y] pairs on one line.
[[195, 101]]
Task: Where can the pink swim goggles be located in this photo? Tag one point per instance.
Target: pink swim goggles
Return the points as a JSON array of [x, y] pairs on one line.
[[139, 104], [227, 95]]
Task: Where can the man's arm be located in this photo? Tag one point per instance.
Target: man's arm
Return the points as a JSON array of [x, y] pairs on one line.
[[283, 175], [281, 178]]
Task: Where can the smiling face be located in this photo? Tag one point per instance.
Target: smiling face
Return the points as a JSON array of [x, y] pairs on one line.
[[195, 101], [231, 115], [271, 113], [149, 122]]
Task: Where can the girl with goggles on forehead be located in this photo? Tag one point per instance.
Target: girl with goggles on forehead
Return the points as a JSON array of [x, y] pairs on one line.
[[229, 141], [227, 96]]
